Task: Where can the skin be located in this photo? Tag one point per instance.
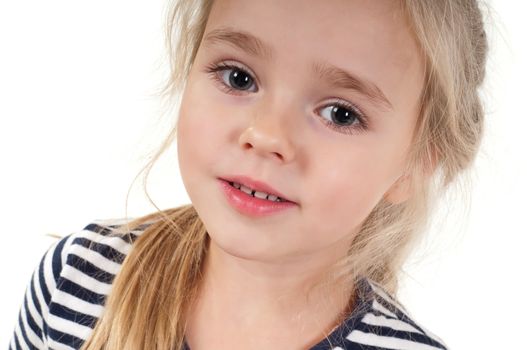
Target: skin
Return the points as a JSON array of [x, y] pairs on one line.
[[259, 270]]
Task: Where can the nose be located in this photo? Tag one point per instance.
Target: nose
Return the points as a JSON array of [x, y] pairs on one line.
[[268, 137]]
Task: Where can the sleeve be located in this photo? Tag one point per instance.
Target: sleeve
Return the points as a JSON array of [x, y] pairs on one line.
[[31, 327]]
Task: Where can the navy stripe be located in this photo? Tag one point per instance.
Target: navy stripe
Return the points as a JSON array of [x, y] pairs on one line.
[[30, 321], [390, 332], [407, 320], [139, 229], [34, 295], [106, 231], [65, 338], [380, 313], [56, 263], [36, 303], [24, 334], [89, 269], [393, 308], [98, 229], [132, 237], [400, 315], [389, 305], [17, 344], [101, 248], [42, 285], [80, 292], [65, 312]]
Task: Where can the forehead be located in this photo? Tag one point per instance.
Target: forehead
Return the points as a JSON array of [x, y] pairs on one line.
[[370, 38]]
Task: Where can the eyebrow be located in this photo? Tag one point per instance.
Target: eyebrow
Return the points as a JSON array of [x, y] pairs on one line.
[[336, 77]]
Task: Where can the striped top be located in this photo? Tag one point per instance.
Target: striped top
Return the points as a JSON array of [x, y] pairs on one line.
[[66, 294]]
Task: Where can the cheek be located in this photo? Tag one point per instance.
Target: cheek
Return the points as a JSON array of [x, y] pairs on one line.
[[345, 190], [195, 115], [199, 128]]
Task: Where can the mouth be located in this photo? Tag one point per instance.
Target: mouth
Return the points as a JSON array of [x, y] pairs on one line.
[[256, 188], [257, 194]]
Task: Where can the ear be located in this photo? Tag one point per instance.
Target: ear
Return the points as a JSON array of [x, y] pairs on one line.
[[399, 191]]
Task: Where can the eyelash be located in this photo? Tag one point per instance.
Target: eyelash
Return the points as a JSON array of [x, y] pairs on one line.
[[362, 119]]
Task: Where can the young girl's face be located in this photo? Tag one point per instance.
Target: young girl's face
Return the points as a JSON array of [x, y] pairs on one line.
[[324, 114]]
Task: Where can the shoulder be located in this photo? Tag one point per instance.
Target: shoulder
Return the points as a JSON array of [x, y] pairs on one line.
[[66, 292], [92, 256], [101, 245], [89, 261], [383, 322]]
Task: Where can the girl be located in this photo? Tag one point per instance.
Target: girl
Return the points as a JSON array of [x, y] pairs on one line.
[[313, 137]]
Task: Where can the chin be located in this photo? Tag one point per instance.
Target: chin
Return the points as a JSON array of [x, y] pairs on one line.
[[243, 246]]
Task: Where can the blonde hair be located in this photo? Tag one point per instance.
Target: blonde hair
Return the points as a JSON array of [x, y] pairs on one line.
[[159, 279]]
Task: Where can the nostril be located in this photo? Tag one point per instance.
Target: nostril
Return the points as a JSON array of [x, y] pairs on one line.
[[247, 145], [278, 155]]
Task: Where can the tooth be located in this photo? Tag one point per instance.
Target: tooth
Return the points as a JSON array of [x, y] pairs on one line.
[[257, 194], [261, 195], [246, 189]]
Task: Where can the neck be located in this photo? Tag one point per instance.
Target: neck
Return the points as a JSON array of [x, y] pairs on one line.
[[268, 298]]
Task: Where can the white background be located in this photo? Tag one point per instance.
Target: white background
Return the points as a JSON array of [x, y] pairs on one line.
[[79, 117]]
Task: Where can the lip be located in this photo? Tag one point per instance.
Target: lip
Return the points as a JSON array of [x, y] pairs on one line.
[[255, 185], [251, 206]]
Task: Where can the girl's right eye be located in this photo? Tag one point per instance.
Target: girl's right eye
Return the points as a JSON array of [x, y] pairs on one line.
[[231, 77]]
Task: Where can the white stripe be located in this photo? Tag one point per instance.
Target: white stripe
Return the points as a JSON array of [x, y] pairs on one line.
[[77, 304], [337, 348], [377, 306], [20, 338], [48, 271], [123, 230], [65, 249], [114, 242], [386, 342], [373, 320], [66, 326], [96, 259], [32, 309], [85, 281], [40, 297], [33, 338], [58, 346]]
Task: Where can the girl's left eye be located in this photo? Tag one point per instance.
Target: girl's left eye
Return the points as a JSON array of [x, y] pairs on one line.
[[342, 116]]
